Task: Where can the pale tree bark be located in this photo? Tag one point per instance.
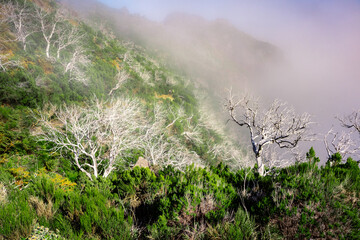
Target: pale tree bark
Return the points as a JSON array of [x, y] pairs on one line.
[[75, 65], [192, 132], [124, 124], [21, 19], [121, 78], [231, 155], [176, 115], [97, 136], [6, 62], [277, 125], [48, 26], [162, 150], [155, 143], [181, 157], [67, 38], [351, 121], [341, 143]]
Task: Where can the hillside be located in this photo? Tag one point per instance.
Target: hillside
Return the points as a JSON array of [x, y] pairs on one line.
[[203, 49], [102, 138]]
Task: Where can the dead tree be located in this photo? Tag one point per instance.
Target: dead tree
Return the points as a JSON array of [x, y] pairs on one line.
[[192, 133], [277, 125], [97, 136], [162, 150], [20, 17], [351, 121], [48, 26], [121, 78], [344, 142], [67, 38], [180, 156], [6, 62], [75, 65], [155, 144], [341, 143]]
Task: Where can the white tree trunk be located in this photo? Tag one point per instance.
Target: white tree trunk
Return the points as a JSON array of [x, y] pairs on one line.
[[261, 166], [48, 49]]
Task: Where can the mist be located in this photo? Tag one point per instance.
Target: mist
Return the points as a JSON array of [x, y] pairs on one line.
[[304, 52]]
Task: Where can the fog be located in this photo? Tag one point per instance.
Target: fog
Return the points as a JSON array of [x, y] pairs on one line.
[[318, 40]]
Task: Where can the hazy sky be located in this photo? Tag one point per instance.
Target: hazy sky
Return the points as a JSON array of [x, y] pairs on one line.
[[253, 16]]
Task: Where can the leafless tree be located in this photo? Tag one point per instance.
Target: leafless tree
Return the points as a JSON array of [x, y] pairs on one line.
[[75, 65], [344, 142], [192, 132], [277, 125], [121, 77], [20, 17], [351, 121], [48, 25], [341, 143], [6, 63], [67, 37], [162, 150], [180, 156], [229, 154], [176, 115], [97, 136], [155, 142]]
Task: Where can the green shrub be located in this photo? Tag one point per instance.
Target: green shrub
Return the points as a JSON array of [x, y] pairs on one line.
[[16, 216], [242, 227]]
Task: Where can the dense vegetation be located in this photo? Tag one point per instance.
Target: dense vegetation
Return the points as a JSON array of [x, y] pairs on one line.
[[302, 201], [45, 195]]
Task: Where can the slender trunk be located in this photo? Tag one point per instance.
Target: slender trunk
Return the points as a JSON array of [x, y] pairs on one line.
[[108, 170], [79, 166], [260, 165], [96, 174], [48, 49]]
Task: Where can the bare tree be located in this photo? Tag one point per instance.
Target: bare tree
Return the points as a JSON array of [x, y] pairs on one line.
[[351, 121], [344, 142], [155, 144], [180, 156], [6, 63], [341, 143], [48, 25], [230, 154], [163, 150], [66, 38], [75, 65], [20, 17], [192, 132], [121, 77], [97, 136], [177, 115], [277, 125]]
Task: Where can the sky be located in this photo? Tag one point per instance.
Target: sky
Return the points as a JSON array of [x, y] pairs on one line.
[[320, 38]]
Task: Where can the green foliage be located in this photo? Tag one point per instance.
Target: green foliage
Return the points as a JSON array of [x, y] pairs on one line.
[[242, 228], [16, 216], [17, 88], [91, 213], [301, 201]]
